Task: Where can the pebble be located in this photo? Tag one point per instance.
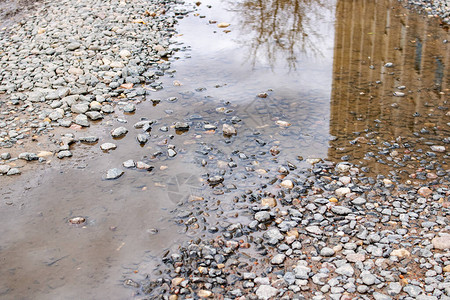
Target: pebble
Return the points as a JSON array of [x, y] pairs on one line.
[[114, 173], [119, 132], [228, 130], [266, 292], [441, 242], [108, 146]]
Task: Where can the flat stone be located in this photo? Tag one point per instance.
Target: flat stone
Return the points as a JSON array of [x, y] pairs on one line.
[[401, 253], [341, 192], [119, 132], [228, 130], [108, 146], [129, 108], [326, 251], [142, 138], [262, 216], [80, 108], [314, 229], [412, 290], [28, 156], [88, 139], [129, 163], [63, 154], [82, 120], [181, 126], [341, 210], [269, 202], [4, 169], [73, 46], [266, 292], [114, 173], [94, 115], [441, 242], [355, 257], [13, 171], [278, 259], [346, 270], [424, 192]]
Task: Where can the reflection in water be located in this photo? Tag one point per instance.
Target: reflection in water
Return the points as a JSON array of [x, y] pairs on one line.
[[364, 110], [283, 28]]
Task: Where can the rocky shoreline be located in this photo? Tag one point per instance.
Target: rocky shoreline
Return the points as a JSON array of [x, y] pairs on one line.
[[334, 230], [433, 8], [74, 68]]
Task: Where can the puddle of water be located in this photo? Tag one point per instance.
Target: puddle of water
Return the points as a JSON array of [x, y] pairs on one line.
[[313, 61]]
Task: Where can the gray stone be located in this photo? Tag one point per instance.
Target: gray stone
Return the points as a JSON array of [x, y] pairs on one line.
[[273, 236], [88, 139], [28, 156], [314, 229], [82, 120], [119, 132], [114, 173], [181, 126], [129, 108], [368, 278], [302, 272], [341, 210], [346, 270], [412, 290], [4, 169], [380, 296], [266, 292], [94, 115], [108, 146], [63, 154], [142, 138], [326, 251], [80, 108], [13, 171], [278, 259], [129, 164], [262, 216]]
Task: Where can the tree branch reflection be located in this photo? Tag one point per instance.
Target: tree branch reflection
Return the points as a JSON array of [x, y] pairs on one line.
[[274, 29]]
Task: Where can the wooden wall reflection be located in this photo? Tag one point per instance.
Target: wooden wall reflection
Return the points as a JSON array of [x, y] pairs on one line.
[[369, 34]]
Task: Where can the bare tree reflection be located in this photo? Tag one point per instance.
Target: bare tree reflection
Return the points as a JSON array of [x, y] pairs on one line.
[[281, 28]]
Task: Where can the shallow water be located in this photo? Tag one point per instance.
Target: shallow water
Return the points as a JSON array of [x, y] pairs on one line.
[[321, 64]]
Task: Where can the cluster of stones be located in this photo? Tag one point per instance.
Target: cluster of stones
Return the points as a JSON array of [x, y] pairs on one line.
[[71, 67], [332, 234]]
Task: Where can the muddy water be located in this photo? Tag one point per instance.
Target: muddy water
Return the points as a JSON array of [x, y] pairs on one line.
[[321, 64]]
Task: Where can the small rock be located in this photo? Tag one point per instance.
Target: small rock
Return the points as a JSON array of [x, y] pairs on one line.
[[341, 210], [401, 253], [269, 201], [266, 292], [82, 120], [278, 259], [13, 171], [341, 192], [119, 132], [412, 290], [182, 126], [441, 242], [129, 163], [424, 192], [228, 130], [63, 154], [114, 173], [326, 251], [108, 146], [88, 139], [287, 184]]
